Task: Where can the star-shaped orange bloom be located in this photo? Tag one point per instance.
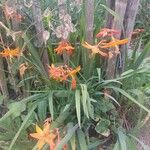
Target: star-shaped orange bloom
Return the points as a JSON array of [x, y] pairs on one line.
[[45, 136], [10, 52], [63, 73], [94, 49], [106, 32], [64, 47], [58, 73]]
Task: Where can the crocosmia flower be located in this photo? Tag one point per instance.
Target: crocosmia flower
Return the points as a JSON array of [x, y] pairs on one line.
[[10, 52], [46, 136], [106, 32], [63, 73], [64, 47]]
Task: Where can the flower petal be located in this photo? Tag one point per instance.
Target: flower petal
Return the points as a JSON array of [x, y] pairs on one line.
[[35, 135], [40, 144], [115, 43], [86, 45], [38, 129]]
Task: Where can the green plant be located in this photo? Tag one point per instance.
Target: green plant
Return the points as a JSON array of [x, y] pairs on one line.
[[88, 110]]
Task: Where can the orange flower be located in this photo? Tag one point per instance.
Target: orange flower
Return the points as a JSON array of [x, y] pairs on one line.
[[73, 76], [114, 43], [43, 136], [95, 49], [58, 73], [106, 32], [73, 83], [64, 47], [10, 52], [46, 136], [73, 72], [62, 73]]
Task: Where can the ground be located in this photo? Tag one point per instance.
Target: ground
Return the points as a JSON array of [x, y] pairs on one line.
[[144, 135]]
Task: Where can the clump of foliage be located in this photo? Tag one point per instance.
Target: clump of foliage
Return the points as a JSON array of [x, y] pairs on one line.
[[63, 94], [143, 19]]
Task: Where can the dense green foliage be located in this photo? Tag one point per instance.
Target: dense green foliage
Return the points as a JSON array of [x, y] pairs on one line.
[[99, 112]]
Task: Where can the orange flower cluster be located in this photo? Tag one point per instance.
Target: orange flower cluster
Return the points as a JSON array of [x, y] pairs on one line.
[[47, 136], [62, 73], [102, 47], [10, 52], [94, 49], [64, 47]]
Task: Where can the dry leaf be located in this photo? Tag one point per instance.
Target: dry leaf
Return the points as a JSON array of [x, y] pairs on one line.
[[22, 68], [46, 36]]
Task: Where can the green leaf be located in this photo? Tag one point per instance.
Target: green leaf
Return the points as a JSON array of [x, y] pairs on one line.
[[17, 108], [81, 139], [128, 72], [67, 137], [62, 116], [84, 99], [142, 56], [122, 140], [95, 144], [111, 12], [8, 114], [50, 98], [99, 74], [42, 109], [35, 56], [131, 144], [103, 126], [117, 146], [129, 97], [78, 109], [73, 138], [22, 127], [90, 107]]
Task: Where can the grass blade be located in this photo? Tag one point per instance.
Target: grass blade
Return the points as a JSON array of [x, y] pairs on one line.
[[122, 140], [22, 126], [111, 11], [129, 97], [81, 139], [117, 146], [73, 138], [84, 99], [142, 56], [78, 107], [42, 109], [51, 109], [67, 137]]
